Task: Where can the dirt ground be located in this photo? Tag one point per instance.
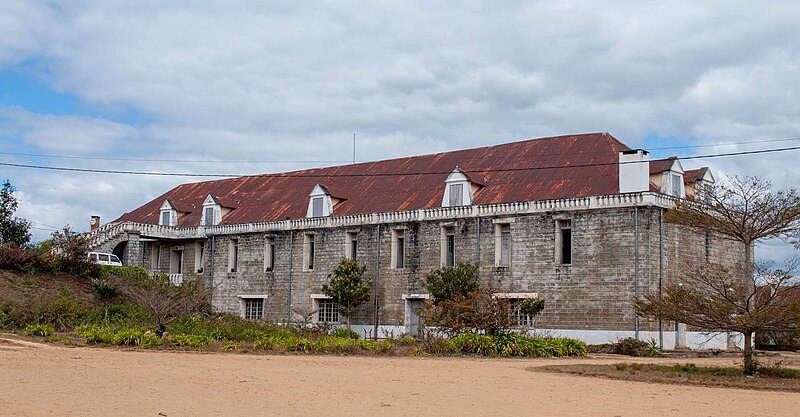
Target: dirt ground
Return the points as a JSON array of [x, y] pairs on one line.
[[44, 380]]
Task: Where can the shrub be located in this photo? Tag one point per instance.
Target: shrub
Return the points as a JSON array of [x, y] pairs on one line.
[[39, 329], [63, 310], [95, 335], [635, 347], [447, 283], [191, 340], [72, 251], [28, 260], [345, 333], [512, 344], [135, 337], [476, 312]]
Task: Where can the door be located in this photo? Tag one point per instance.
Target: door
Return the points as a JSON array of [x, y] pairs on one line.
[[414, 321]]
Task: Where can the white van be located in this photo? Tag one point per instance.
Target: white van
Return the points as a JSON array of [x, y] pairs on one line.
[[104, 259]]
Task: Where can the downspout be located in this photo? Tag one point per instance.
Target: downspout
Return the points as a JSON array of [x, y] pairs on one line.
[[377, 282], [660, 272], [478, 249], [211, 275], [289, 291], [636, 264]]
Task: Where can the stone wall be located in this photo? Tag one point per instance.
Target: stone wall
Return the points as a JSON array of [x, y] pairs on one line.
[[594, 292]]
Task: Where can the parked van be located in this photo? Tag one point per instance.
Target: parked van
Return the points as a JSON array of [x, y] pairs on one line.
[[104, 259]]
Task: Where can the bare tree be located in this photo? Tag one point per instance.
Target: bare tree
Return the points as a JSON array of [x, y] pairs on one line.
[[718, 298], [165, 301]]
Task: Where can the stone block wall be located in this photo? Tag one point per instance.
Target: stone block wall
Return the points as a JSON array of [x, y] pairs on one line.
[[594, 292]]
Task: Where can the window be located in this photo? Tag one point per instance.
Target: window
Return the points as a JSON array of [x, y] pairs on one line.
[[316, 207], [327, 311], [448, 246], [165, 218], [199, 256], [269, 254], [209, 216], [708, 246], [253, 308], [103, 258], [456, 195], [233, 255], [309, 247], [398, 249], [351, 245], [519, 318], [564, 241], [502, 241], [677, 182]]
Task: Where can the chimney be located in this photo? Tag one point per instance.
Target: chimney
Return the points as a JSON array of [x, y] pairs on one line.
[[634, 171], [94, 224]]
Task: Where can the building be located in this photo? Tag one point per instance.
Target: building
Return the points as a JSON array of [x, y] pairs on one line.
[[576, 219]]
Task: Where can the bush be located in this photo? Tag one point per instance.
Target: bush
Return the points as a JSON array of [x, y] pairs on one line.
[[345, 333], [512, 344], [476, 313], [39, 329], [191, 340], [135, 337], [447, 283], [27, 260], [63, 310], [635, 347]]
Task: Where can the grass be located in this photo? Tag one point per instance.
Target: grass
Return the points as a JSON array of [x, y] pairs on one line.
[[768, 378]]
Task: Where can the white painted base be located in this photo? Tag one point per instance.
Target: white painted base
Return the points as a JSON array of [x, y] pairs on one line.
[[694, 340]]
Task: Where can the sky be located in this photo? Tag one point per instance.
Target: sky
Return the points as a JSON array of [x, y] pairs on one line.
[[247, 87]]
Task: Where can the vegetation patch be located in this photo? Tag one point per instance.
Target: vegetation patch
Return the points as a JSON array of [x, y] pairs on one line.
[[768, 378]]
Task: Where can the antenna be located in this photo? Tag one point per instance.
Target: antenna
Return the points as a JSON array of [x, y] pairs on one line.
[[354, 148]]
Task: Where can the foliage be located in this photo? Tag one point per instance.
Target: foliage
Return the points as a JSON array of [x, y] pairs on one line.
[[191, 340], [717, 298], [165, 301], [512, 344], [72, 251], [475, 312], [105, 292], [635, 347], [13, 230], [25, 259], [446, 283], [132, 272], [345, 333], [39, 329], [531, 306], [62, 310], [347, 287]]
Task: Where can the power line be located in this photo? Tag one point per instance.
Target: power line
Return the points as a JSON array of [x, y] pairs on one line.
[[246, 161], [299, 174], [109, 158]]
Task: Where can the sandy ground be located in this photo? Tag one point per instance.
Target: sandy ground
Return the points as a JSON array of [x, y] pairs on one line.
[[45, 380]]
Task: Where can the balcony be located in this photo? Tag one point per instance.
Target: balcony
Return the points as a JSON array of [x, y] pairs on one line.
[[176, 279]]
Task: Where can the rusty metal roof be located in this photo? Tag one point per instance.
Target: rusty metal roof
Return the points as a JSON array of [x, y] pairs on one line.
[[537, 169]]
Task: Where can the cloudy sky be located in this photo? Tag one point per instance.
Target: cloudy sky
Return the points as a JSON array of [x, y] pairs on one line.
[[245, 87]]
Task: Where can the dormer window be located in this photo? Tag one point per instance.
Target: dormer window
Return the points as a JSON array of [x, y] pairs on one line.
[[316, 207], [456, 195], [677, 184], [459, 189], [168, 215], [213, 211], [320, 203]]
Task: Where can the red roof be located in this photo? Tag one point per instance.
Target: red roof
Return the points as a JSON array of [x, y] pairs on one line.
[[538, 169]]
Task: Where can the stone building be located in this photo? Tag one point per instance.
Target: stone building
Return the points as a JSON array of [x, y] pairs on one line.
[[575, 219]]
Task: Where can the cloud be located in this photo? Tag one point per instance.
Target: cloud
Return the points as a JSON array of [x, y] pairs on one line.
[[292, 81]]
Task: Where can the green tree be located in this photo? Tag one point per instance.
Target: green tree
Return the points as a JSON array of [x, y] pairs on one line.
[[718, 298], [347, 287], [446, 283], [105, 291], [12, 229]]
